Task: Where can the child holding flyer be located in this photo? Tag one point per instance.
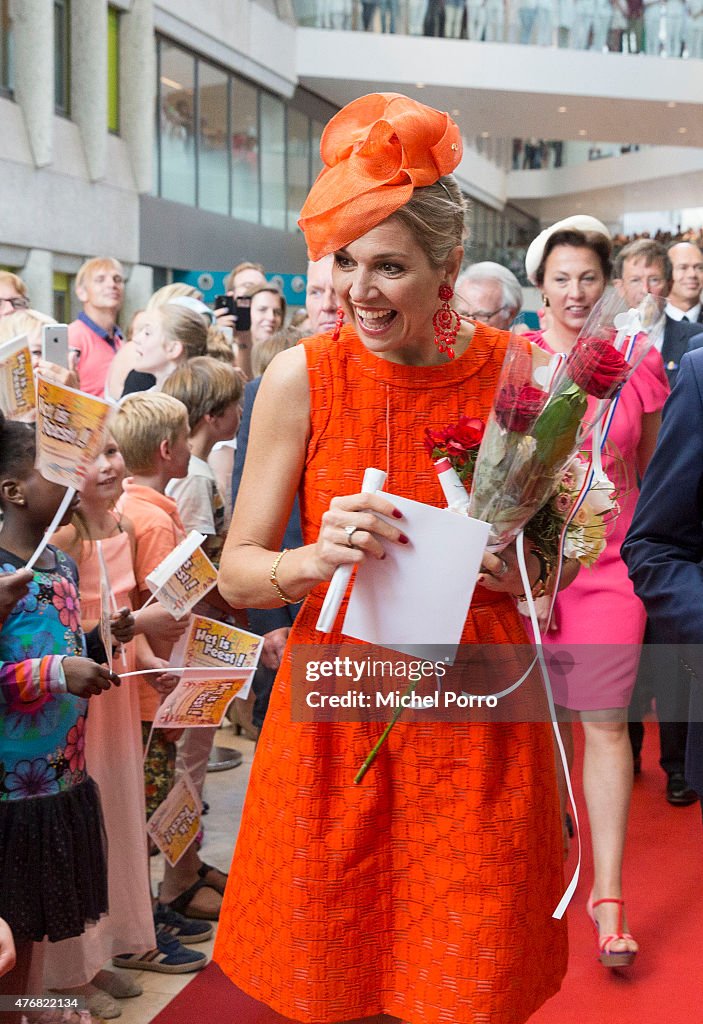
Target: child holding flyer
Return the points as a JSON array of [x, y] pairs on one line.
[[152, 434], [52, 857], [211, 391], [114, 751], [151, 431]]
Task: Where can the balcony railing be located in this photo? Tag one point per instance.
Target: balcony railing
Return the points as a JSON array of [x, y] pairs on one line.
[[669, 28]]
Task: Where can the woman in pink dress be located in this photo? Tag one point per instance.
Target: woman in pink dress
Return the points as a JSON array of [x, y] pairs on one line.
[[570, 263]]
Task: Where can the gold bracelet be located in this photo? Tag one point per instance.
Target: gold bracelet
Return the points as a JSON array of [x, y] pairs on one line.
[[274, 582]]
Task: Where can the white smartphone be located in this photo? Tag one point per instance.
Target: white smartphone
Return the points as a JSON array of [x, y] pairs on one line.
[[55, 344]]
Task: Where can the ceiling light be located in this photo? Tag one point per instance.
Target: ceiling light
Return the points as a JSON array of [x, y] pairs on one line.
[[682, 131], [582, 131], [485, 135], [170, 82], [671, 104], [419, 85], [456, 112], [562, 110]]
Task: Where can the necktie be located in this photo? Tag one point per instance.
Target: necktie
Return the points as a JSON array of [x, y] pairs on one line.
[[685, 320]]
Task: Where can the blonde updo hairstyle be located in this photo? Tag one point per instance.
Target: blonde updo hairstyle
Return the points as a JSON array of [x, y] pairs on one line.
[[435, 216]]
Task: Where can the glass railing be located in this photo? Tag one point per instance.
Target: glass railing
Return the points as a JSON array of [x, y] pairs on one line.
[[668, 28]]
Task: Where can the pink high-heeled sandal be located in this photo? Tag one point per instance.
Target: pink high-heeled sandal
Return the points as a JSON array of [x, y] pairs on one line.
[[614, 958]]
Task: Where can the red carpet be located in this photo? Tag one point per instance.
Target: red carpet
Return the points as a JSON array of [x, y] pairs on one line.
[[664, 890]]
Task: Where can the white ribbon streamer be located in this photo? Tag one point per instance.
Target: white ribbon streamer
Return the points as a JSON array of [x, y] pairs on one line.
[[571, 887], [53, 526]]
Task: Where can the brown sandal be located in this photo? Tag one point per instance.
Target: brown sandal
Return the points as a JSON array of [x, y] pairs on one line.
[[182, 903]]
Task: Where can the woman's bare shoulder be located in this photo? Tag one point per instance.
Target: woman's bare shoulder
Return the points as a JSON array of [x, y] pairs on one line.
[[286, 380]]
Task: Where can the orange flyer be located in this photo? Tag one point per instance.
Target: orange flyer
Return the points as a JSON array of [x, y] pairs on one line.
[[175, 823]]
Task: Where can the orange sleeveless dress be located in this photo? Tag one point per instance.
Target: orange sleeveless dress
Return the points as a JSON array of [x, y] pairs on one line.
[[427, 891]]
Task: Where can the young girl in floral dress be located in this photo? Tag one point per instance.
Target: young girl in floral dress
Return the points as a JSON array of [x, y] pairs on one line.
[[52, 857]]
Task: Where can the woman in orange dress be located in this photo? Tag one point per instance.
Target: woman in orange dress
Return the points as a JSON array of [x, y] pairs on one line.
[[425, 893]]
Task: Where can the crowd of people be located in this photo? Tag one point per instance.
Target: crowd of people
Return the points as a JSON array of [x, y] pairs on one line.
[[282, 419], [513, 256], [672, 28]]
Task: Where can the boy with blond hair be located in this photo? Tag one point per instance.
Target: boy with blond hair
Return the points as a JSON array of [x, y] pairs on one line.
[[211, 392], [94, 337], [151, 430]]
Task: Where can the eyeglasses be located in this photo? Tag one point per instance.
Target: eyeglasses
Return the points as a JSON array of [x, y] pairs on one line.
[[17, 303], [481, 314]]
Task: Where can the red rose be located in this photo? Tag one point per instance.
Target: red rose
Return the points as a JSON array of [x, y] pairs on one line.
[[434, 439], [464, 437], [459, 441], [517, 408], [597, 367]]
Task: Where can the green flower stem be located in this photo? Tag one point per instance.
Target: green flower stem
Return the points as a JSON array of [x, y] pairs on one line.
[[384, 735]]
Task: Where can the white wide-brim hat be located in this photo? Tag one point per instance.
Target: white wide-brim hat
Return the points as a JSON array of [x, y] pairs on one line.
[[579, 222]]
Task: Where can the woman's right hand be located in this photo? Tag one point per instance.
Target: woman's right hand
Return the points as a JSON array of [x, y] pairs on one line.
[[85, 678], [335, 546]]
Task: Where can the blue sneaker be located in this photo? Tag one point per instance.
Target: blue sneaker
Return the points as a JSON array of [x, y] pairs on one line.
[[176, 926], [169, 957]]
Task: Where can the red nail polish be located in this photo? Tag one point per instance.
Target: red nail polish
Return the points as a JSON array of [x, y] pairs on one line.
[[397, 513], [403, 539]]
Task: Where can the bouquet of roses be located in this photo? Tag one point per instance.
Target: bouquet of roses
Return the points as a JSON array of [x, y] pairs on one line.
[[541, 415]]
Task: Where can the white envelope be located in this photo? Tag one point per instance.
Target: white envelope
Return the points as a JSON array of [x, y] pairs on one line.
[[416, 599]]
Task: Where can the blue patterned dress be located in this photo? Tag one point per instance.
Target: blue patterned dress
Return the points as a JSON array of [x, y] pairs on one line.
[[51, 836]]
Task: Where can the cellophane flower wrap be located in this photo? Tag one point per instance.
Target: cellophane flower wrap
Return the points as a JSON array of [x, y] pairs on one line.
[[541, 414]]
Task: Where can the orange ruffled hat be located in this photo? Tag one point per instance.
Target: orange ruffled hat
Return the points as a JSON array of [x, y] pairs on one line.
[[376, 151]]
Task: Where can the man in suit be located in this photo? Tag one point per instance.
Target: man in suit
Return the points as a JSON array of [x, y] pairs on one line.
[[640, 267], [664, 547], [645, 266], [275, 623], [686, 283]]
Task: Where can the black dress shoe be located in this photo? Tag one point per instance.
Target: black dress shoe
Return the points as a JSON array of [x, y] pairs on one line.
[[678, 793]]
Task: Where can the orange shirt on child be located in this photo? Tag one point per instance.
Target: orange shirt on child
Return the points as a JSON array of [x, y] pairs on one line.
[[157, 529]]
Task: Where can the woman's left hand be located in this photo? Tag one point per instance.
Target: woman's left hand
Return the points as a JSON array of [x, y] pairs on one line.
[[500, 572]]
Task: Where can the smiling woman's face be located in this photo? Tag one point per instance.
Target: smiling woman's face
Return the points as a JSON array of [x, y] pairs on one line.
[[573, 283], [388, 289]]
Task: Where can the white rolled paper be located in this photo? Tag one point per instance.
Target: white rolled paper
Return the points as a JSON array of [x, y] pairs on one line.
[[454, 491], [373, 481]]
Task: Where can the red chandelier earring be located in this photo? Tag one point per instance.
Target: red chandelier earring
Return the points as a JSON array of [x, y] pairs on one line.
[[446, 322], [338, 324]]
